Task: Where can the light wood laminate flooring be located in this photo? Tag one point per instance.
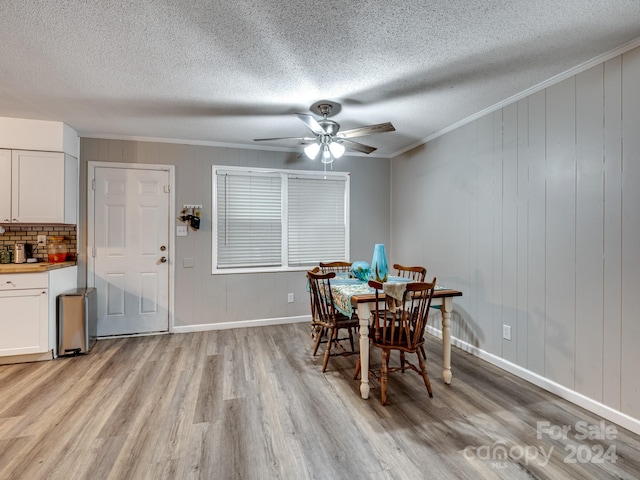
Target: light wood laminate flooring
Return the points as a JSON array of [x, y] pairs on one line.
[[252, 403]]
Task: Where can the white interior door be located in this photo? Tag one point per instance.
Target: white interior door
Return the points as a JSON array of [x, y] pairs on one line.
[[131, 235]]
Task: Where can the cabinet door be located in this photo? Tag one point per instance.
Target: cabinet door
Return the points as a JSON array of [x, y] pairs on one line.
[[38, 181], [5, 186], [23, 323]]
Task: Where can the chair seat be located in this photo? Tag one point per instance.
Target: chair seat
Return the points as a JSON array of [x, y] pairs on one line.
[[397, 339], [354, 321], [342, 321]]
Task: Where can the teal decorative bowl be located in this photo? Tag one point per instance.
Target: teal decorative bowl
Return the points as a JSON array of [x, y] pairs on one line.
[[361, 270]]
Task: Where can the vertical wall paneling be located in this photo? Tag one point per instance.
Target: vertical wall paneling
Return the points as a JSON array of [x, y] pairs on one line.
[[460, 185], [520, 335], [630, 233], [472, 234], [554, 250], [115, 150], [454, 188], [397, 173], [510, 228], [612, 232], [536, 239], [496, 335], [484, 236], [589, 233], [204, 296], [560, 233]]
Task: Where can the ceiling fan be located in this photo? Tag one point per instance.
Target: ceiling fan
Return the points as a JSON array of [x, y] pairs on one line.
[[328, 141]]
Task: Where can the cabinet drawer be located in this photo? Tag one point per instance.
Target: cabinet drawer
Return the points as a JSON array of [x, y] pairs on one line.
[[20, 281]]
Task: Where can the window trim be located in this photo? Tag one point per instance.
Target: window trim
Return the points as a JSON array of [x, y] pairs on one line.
[[285, 174]]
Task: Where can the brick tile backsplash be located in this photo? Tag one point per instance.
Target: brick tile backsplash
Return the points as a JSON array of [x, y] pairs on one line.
[[29, 234]]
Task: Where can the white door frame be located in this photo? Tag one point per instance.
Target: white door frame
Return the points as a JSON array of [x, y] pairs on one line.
[[172, 221]]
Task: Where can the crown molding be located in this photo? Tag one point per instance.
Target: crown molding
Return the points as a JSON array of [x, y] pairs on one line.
[[525, 93]]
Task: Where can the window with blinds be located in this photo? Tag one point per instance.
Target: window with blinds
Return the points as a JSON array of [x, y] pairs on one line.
[[317, 227], [271, 220]]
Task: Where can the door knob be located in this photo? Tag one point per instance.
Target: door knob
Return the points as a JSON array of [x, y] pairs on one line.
[[162, 248], [163, 259]]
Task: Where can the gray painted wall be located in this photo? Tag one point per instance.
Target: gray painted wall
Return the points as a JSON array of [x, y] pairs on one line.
[[533, 212], [202, 298]]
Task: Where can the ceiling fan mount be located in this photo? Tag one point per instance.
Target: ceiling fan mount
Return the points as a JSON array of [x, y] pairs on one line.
[[328, 141], [326, 108]]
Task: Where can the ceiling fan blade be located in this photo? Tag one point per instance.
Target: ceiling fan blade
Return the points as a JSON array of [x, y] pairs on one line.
[[357, 146], [281, 138], [312, 123], [368, 130]]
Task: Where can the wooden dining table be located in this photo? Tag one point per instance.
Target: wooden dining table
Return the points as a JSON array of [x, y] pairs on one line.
[[365, 301]]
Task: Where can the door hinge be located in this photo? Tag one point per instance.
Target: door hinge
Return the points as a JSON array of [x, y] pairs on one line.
[[93, 184], [93, 252], [167, 189]]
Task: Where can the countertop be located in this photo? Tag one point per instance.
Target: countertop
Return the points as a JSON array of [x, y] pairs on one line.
[[33, 267]]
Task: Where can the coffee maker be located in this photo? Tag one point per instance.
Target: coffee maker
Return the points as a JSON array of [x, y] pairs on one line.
[[23, 252]]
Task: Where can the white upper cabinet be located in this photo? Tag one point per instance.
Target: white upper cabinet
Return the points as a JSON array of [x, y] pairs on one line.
[[5, 186], [44, 187], [38, 171]]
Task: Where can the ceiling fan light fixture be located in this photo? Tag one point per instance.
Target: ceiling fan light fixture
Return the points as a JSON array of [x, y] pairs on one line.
[[312, 150], [337, 149], [326, 156]]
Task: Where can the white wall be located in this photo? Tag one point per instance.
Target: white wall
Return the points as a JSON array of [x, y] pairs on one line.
[[533, 211]]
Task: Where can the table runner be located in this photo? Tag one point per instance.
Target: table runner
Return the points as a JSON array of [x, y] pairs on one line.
[[343, 289]]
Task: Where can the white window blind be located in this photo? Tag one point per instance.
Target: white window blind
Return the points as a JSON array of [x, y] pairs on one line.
[[317, 220], [275, 220], [249, 219]]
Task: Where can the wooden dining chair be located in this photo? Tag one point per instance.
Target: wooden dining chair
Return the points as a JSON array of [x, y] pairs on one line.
[[335, 267], [315, 328], [328, 318], [416, 273], [400, 326]]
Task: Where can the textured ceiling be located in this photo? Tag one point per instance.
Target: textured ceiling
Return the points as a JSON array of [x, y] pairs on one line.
[[228, 72]]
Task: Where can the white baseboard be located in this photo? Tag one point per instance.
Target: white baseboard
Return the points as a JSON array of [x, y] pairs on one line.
[[29, 357], [240, 324], [572, 396]]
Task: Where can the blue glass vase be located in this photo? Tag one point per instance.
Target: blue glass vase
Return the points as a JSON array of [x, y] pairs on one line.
[[379, 267]]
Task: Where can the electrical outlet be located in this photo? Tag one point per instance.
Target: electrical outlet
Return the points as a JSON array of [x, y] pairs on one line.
[[290, 297], [42, 239], [506, 332]]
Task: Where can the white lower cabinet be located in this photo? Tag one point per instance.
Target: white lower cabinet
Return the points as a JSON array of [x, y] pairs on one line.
[[28, 313], [24, 321]]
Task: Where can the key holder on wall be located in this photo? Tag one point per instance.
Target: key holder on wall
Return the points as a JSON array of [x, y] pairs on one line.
[[191, 215]]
